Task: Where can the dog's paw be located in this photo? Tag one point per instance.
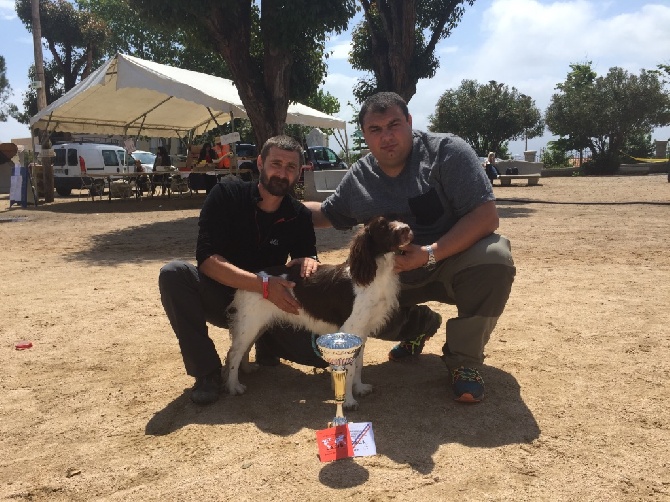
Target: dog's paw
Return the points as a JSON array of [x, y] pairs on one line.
[[248, 367], [362, 389], [235, 388], [350, 404]]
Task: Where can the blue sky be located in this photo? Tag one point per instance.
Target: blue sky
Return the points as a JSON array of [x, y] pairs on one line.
[[527, 44]]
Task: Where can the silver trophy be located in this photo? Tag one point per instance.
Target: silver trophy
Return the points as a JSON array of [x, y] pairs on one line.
[[339, 350]]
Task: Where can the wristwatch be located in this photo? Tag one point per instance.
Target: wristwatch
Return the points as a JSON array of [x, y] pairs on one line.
[[431, 257]]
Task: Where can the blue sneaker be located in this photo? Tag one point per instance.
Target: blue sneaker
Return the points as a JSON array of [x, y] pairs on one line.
[[467, 384]]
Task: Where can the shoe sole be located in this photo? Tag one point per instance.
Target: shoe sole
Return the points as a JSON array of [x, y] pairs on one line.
[[468, 399], [411, 358]]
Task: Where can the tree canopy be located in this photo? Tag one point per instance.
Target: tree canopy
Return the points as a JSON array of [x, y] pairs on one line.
[[146, 37], [53, 89], [74, 37], [603, 113], [396, 43], [274, 50], [487, 116], [6, 109]]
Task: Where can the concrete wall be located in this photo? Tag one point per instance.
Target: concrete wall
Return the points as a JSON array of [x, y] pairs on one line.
[[320, 184]]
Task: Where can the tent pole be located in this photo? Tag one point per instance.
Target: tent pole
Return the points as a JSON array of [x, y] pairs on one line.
[[213, 118], [234, 157], [145, 113]]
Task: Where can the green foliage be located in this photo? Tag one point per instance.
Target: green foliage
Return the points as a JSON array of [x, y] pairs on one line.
[[606, 162], [275, 54], [487, 116], [638, 144], [54, 89], [555, 155], [6, 109], [602, 113], [73, 37], [396, 43], [145, 37]]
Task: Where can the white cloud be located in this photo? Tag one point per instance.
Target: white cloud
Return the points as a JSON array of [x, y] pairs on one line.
[[7, 10], [447, 49], [340, 86], [340, 50], [530, 45]]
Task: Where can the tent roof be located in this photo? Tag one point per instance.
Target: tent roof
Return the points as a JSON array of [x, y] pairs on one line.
[[129, 96]]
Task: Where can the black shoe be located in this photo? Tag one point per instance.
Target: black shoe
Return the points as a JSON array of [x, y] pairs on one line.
[[207, 388]]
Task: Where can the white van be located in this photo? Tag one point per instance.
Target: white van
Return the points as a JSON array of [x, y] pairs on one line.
[[74, 161]]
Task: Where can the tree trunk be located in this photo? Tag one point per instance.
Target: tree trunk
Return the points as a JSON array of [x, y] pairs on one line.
[[394, 46], [265, 98], [47, 170]]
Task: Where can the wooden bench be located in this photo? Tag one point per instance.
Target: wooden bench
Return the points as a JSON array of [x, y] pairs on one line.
[[506, 179]]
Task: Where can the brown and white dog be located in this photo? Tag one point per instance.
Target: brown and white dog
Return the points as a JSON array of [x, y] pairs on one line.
[[356, 297]]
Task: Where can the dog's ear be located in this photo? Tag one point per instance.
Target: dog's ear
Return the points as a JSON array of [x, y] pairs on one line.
[[362, 262]]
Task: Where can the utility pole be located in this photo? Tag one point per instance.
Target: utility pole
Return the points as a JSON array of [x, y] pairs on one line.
[[47, 171]]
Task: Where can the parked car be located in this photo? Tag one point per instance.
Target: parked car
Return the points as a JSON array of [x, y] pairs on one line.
[[74, 161], [321, 157], [247, 156], [146, 159]]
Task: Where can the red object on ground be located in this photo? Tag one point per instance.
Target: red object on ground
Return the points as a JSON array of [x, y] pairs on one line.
[[23, 345]]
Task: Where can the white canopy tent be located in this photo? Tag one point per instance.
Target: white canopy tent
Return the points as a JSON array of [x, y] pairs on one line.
[[129, 96]]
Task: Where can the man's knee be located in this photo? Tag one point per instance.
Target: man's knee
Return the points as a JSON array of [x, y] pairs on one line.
[[173, 273], [483, 289], [494, 249]]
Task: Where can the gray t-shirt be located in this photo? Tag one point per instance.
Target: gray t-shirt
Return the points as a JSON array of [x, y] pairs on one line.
[[442, 181]]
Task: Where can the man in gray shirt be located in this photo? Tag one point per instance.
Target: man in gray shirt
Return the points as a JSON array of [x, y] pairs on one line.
[[435, 183]]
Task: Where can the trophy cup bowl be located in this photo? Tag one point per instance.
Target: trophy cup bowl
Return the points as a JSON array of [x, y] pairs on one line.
[[339, 350]]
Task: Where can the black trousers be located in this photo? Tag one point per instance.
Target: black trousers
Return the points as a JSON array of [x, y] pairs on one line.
[[191, 300]]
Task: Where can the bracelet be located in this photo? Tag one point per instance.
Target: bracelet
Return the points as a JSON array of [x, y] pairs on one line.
[[266, 291]]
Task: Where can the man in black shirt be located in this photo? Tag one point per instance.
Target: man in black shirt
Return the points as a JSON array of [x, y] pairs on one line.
[[244, 227]]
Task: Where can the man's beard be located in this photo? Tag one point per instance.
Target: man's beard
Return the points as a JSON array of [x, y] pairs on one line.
[[275, 185]]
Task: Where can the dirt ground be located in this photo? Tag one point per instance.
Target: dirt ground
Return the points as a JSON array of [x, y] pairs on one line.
[[577, 371]]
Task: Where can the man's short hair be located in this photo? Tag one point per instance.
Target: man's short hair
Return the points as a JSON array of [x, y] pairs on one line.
[[282, 142], [380, 102]]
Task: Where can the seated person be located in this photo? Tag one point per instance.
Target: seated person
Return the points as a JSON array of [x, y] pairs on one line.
[[490, 167], [143, 180], [223, 155], [207, 154], [200, 180]]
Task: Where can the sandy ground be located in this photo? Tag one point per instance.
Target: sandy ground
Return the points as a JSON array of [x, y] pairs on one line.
[[577, 375]]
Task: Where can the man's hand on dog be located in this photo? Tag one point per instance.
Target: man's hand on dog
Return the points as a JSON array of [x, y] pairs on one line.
[[308, 265], [279, 293], [279, 289], [412, 257]]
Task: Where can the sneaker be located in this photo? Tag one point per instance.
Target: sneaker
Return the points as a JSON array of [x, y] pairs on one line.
[[207, 388], [408, 348], [467, 384]]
